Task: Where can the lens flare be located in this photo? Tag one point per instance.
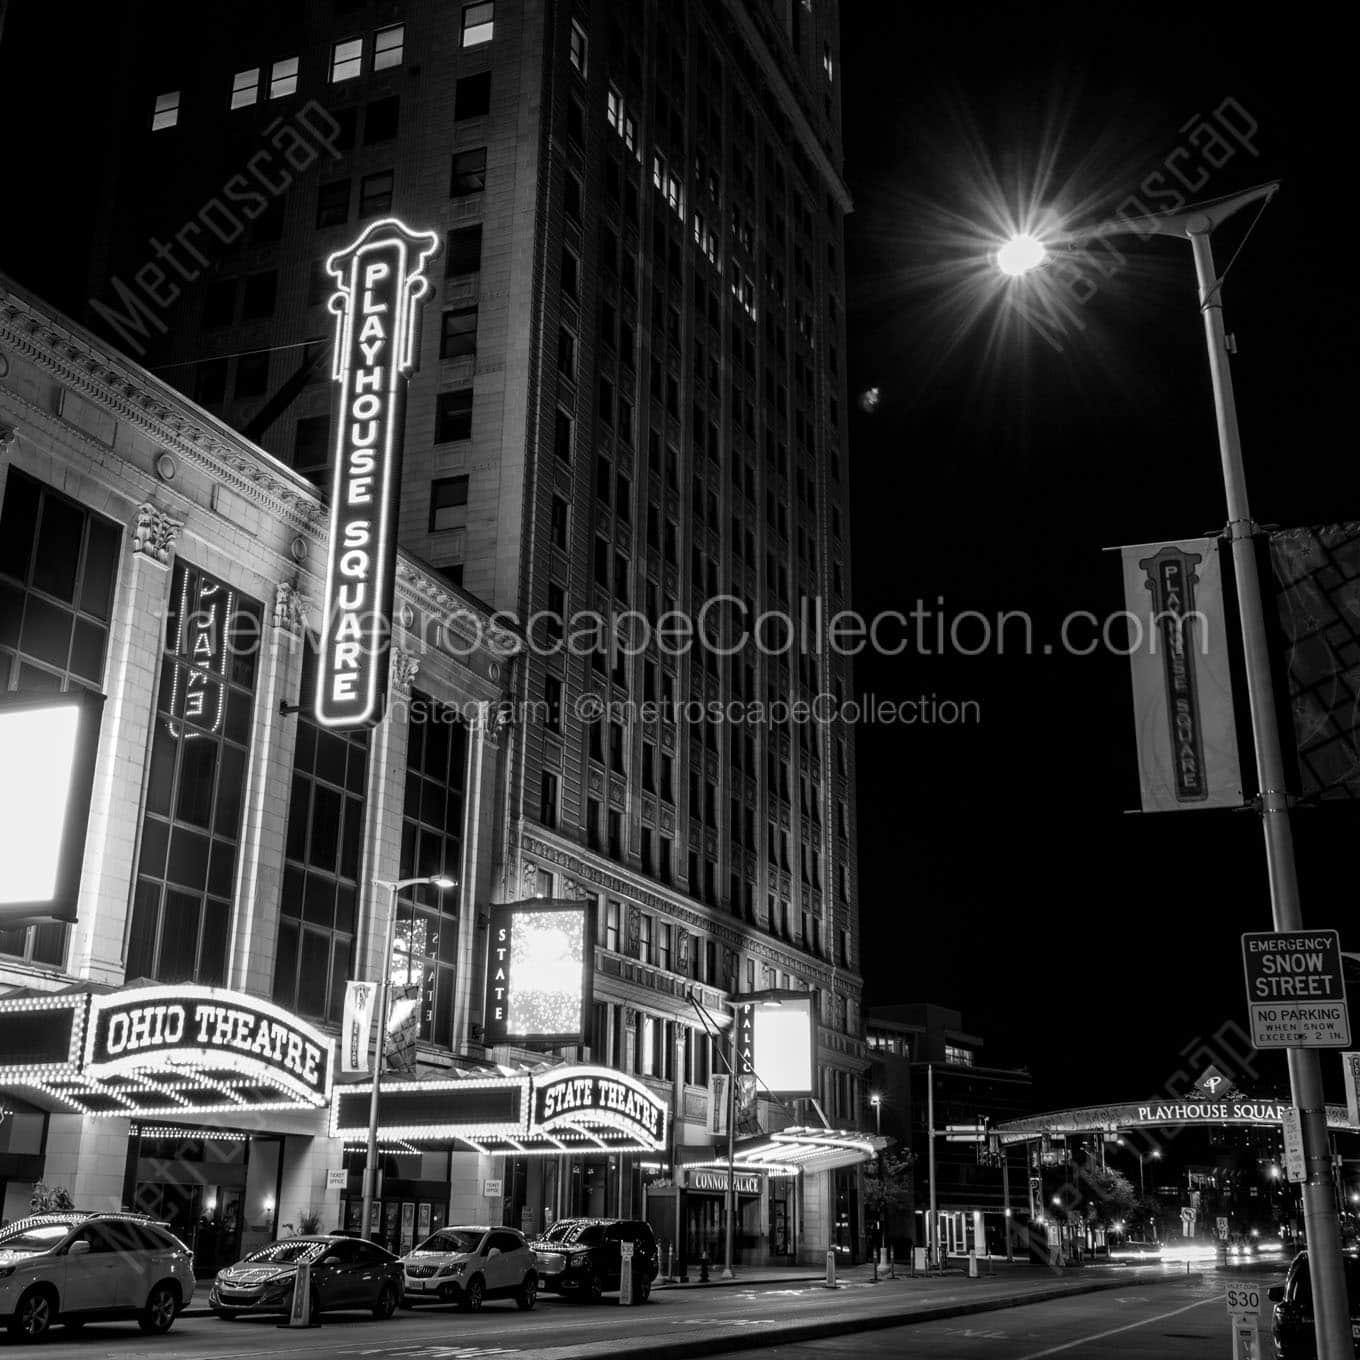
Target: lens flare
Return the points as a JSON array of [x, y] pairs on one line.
[[1020, 254]]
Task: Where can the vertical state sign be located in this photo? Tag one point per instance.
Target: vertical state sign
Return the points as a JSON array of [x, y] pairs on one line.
[[1182, 694], [380, 282]]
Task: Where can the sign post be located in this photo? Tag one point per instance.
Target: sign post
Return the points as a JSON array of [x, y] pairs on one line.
[[625, 1273], [1296, 995], [1244, 1315]]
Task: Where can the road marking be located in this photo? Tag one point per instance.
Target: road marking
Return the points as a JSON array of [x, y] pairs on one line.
[[1114, 1331]]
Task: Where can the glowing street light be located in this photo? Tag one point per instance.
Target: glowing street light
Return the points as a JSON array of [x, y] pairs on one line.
[[1021, 254], [443, 883]]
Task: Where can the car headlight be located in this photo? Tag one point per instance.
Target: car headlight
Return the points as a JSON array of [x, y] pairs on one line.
[[456, 1268]]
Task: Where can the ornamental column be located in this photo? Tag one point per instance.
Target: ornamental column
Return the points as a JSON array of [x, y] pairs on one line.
[[475, 873], [268, 789], [131, 679]]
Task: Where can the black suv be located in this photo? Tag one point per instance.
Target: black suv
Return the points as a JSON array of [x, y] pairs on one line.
[[1292, 1329], [582, 1257]]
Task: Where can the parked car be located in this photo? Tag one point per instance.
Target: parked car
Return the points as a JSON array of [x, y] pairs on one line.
[[346, 1273], [1292, 1325], [74, 1268], [582, 1257], [467, 1265]]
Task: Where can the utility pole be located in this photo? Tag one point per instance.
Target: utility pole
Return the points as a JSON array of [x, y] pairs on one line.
[[932, 1227]]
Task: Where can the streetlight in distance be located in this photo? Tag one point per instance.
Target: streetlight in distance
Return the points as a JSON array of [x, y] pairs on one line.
[[1196, 223], [443, 883], [1021, 254]]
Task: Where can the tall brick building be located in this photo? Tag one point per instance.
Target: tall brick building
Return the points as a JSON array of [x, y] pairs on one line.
[[630, 401]]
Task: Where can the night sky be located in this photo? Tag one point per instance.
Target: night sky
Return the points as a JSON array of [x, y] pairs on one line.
[[1000, 870], [1091, 945]]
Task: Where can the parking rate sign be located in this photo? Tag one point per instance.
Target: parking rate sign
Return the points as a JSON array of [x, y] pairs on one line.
[[1296, 996]]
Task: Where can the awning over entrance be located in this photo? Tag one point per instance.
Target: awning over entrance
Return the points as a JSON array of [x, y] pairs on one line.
[[169, 1051], [561, 1110], [1161, 1112], [801, 1148]]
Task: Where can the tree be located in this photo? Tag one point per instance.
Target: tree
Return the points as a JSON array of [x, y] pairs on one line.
[[888, 1185], [1107, 1195]]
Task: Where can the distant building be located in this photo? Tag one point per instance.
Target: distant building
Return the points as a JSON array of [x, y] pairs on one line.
[[911, 1048]]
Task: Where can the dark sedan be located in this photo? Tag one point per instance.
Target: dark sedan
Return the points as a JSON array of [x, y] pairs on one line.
[[1292, 1328], [346, 1274]]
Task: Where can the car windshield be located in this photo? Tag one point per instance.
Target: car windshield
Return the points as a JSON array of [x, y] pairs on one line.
[[34, 1237], [288, 1252], [453, 1239], [586, 1235], [559, 1230]]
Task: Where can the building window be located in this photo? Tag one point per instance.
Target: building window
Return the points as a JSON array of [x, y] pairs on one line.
[[611, 926], [283, 78], [252, 374], [245, 88], [347, 60], [332, 203], [547, 800], [552, 715], [426, 946], [566, 354], [388, 45], [580, 47], [165, 111], [448, 496], [257, 298], [468, 173], [312, 446], [561, 513], [614, 838], [375, 194], [570, 272], [318, 905], [562, 436], [381, 119], [210, 382], [478, 24], [195, 784], [58, 565], [458, 335], [472, 97], [453, 416], [464, 251], [962, 1057]]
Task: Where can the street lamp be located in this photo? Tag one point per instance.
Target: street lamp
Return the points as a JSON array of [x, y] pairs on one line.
[[731, 1064], [876, 1100], [443, 883], [1197, 222]]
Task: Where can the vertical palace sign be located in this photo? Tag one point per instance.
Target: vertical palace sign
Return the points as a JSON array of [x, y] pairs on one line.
[[380, 282]]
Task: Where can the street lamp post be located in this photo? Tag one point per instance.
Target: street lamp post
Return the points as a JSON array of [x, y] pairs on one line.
[[730, 1062], [1321, 1223], [876, 1100], [384, 970]]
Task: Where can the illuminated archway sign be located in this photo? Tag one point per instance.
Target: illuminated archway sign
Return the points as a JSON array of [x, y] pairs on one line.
[[380, 282]]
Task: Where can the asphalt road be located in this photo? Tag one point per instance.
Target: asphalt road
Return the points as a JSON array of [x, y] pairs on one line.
[[712, 1321], [1173, 1321]]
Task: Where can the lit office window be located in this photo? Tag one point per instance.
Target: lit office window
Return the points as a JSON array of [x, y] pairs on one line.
[[245, 88], [165, 113], [448, 503], [283, 78], [388, 47], [478, 24], [347, 60]]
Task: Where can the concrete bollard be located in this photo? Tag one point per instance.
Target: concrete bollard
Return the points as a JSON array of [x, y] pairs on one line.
[[831, 1268], [703, 1268], [626, 1274], [892, 1265], [972, 1264], [300, 1309]]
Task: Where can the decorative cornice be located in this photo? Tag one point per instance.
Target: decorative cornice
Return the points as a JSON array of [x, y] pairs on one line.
[[7, 436], [404, 667], [137, 397], [155, 533], [455, 612]]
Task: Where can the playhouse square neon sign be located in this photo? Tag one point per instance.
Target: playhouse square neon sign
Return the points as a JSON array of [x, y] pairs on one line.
[[380, 282]]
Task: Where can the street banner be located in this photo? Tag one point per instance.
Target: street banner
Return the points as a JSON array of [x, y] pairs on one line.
[[356, 1026], [1182, 693], [403, 1026], [1317, 595], [717, 1104], [1350, 1069]]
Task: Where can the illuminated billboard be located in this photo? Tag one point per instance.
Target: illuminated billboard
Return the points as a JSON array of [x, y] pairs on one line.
[[48, 744], [380, 281], [540, 972], [777, 1042]]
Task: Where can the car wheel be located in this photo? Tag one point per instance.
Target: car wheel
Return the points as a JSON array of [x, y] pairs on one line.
[[386, 1304], [528, 1293], [161, 1306], [473, 1294], [642, 1289], [34, 1315]]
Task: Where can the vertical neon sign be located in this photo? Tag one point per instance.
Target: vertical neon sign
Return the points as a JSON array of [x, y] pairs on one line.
[[380, 282]]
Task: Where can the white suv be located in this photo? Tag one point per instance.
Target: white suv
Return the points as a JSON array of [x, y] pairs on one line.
[[75, 1268], [465, 1265]]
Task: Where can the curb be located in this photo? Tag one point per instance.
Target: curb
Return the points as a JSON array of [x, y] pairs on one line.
[[765, 1337]]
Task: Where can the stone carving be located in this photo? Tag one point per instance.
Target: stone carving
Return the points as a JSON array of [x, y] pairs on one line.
[[633, 934], [155, 533], [290, 607], [404, 667]]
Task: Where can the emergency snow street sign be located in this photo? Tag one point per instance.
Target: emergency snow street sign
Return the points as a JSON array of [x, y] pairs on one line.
[[1295, 992]]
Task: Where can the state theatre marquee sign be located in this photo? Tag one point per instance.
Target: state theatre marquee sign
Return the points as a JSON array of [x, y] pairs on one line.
[[380, 282], [580, 1097]]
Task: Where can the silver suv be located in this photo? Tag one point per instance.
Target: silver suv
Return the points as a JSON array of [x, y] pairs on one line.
[[75, 1268]]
